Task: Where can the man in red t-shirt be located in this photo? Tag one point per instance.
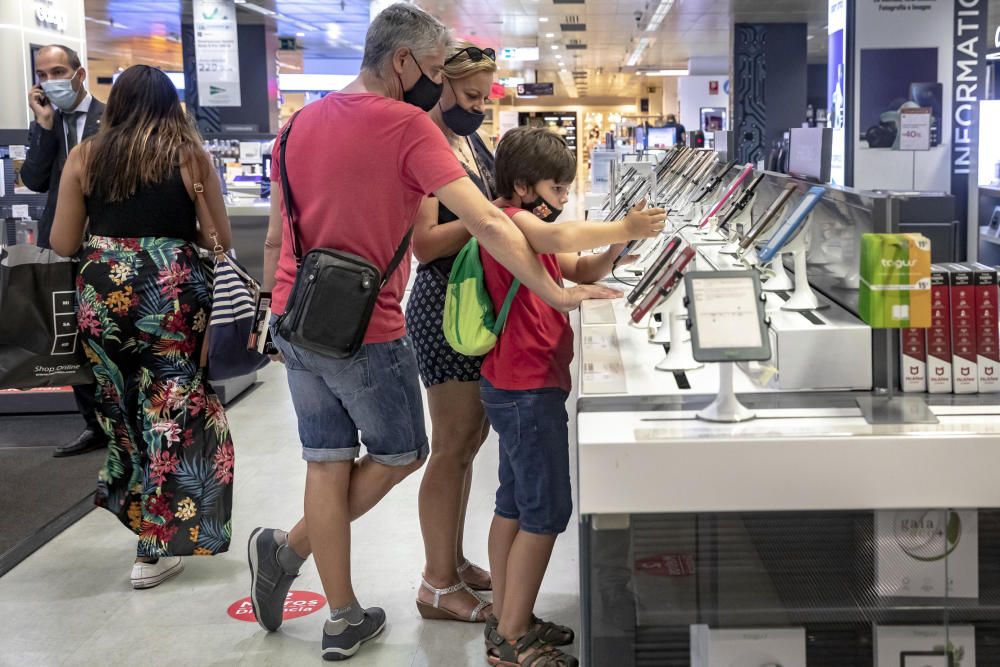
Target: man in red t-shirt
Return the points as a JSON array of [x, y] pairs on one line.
[[359, 162], [526, 381]]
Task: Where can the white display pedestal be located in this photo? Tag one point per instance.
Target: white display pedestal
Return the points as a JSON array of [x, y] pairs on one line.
[[680, 357], [726, 407]]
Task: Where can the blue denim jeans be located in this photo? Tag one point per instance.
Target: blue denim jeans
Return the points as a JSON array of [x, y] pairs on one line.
[[534, 487], [376, 392]]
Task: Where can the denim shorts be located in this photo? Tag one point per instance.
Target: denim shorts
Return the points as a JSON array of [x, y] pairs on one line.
[[372, 398], [534, 456]]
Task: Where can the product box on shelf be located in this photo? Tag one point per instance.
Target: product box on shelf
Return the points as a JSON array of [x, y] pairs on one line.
[[925, 646], [987, 325], [913, 359], [895, 281], [930, 553], [747, 647], [939, 334], [965, 369]]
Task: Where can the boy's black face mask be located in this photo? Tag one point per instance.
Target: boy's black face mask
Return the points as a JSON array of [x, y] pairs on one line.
[[542, 209]]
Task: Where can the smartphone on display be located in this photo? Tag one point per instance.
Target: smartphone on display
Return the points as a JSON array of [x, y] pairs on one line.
[[666, 285], [769, 217], [715, 182], [740, 203], [654, 270], [733, 187], [792, 225]]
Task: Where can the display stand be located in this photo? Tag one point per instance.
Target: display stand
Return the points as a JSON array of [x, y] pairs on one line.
[[890, 408], [779, 281], [726, 407], [803, 298], [737, 226], [680, 356]]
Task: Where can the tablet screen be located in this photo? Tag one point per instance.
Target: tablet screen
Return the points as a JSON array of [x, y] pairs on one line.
[[727, 312]]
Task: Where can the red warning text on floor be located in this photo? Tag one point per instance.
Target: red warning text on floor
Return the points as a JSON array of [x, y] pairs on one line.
[[297, 604]]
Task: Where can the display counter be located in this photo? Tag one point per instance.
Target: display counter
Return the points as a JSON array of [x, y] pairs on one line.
[[816, 534]]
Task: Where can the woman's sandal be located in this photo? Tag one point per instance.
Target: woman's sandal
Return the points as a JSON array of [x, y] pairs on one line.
[[550, 633], [436, 612], [476, 587], [500, 653]]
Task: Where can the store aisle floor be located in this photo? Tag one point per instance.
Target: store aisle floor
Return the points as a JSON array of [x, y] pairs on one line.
[[71, 603]]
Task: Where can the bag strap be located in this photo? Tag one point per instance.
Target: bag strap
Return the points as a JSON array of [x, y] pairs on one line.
[[505, 309], [286, 194], [286, 191], [398, 257], [205, 218]]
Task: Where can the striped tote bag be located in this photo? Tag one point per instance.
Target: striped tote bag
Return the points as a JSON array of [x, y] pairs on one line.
[[234, 311]]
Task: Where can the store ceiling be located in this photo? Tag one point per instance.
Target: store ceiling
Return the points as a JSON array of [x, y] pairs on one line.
[[125, 32]]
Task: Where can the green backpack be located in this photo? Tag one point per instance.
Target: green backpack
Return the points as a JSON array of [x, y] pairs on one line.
[[470, 325]]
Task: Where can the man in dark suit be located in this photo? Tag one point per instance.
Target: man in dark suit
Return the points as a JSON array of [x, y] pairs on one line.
[[65, 114]]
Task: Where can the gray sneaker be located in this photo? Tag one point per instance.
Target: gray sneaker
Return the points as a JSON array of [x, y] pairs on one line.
[[269, 583], [341, 640]]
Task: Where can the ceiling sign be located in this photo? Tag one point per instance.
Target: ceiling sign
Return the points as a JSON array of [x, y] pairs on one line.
[[535, 89]]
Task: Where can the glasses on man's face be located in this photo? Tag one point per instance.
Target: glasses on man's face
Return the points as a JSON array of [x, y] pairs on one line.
[[475, 54]]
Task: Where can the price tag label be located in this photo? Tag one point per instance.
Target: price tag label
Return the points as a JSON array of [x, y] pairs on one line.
[[20, 211], [603, 377], [915, 129]]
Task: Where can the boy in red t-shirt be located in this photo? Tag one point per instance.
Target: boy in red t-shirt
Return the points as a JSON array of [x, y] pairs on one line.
[[526, 381]]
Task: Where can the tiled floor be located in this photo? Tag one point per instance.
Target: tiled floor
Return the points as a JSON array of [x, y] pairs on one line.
[[71, 603]]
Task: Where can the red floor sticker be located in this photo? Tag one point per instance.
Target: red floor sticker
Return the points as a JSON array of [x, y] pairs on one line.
[[298, 603]]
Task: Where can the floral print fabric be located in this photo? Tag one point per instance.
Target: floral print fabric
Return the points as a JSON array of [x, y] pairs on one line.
[[144, 306]]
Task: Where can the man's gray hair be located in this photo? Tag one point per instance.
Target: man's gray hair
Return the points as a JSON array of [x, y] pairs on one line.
[[401, 25]]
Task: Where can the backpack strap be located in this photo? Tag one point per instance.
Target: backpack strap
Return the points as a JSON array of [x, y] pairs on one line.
[[505, 309]]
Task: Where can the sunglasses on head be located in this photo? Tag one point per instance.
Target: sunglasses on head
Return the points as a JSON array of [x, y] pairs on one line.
[[475, 54]]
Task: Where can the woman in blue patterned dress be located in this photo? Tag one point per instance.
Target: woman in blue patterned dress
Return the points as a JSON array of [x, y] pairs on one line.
[[144, 303], [458, 422]]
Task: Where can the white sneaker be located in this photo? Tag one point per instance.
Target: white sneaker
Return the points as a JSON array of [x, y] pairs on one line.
[[148, 575]]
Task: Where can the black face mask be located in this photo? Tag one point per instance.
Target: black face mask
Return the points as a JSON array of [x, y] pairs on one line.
[[542, 209], [461, 121], [425, 93]]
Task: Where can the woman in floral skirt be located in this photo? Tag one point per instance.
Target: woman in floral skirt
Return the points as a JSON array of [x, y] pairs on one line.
[[144, 303]]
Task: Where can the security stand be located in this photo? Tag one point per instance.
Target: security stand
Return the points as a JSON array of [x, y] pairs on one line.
[[741, 223], [803, 298], [780, 281], [680, 357], [726, 407]]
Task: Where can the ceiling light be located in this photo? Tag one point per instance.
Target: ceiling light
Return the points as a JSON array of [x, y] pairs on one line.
[[550, 35], [555, 47], [666, 72], [256, 8], [300, 34], [333, 31], [543, 19], [636, 55], [558, 56], [659, 15]]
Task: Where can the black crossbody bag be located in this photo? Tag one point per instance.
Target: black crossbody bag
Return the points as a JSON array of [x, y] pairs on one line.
[[334, 293]]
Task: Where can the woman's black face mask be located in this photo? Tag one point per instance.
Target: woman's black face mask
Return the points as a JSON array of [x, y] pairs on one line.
[[461, 121]]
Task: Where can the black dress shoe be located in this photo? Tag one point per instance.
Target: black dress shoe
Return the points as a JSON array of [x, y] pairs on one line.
[[87, 441]]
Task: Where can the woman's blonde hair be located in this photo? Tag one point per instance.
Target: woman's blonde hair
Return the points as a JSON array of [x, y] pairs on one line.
[[462, 65]]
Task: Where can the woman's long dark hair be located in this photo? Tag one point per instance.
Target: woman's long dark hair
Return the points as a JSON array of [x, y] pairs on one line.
[[144, 136]]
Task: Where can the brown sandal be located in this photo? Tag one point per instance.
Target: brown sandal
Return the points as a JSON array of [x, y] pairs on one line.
[[550, 633], [434, 611], [501, 653]]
